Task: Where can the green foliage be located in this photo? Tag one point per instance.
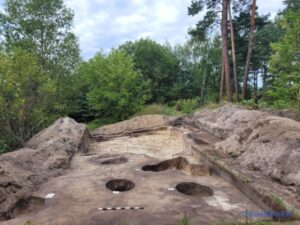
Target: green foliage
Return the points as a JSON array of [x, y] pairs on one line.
[[184, 221], [25, 97], [114, 88], [285, 63], [158, 65], [249, 104], [99, 122], [28, 223], [39, 55], [187, 105], [44, 29], [159, 109], [3, 146]]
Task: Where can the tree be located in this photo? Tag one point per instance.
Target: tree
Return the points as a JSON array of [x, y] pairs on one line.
[[39, 26], [265, 32], [158, 65], [250, 48], [209, 21], [285, 60], [24, 97], [225, 56], [43, 28], [115, 89], [236, 85]]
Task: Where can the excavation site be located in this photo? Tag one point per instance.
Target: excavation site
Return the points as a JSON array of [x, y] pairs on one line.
[[212, 167]]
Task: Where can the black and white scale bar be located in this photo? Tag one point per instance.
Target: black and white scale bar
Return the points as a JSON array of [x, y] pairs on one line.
[[121, 208]]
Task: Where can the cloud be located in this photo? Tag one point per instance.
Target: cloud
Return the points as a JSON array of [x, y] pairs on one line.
[[102, 24]]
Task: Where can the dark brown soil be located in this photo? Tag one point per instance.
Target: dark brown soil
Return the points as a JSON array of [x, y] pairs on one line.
[[120, 185], [120, 160], [31, 204], [194, 189], [178, 163]]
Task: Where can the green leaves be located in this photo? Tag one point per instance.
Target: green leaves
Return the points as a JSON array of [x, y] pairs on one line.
[[285, 62], [157, 64], [24, 91], [115, 89]]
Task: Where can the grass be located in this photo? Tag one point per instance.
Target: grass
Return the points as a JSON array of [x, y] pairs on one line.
[[278, 201], [152, 109], [159, 109], [184, 221], [98, 123]]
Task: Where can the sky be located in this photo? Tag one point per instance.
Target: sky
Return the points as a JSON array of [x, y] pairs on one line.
[[104, 24]]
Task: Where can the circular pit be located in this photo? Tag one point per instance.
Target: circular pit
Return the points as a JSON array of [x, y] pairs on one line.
[[120, 185], [194, 189]]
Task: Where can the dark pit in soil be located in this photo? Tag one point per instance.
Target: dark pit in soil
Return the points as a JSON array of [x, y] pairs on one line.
[[194, 189], [120, 160], [178, 163], [23, 206], [120, 185]]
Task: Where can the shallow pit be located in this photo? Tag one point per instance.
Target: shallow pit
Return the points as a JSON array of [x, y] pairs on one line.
[[120, 185], [114, 161], [178, 163], [23, 206], [194, 189]]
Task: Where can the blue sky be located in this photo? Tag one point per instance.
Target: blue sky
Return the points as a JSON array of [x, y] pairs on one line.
[[104, 24]]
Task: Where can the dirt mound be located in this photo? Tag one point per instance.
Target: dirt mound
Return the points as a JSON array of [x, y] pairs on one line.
[[257, 139], [134, 125], [47, 154]]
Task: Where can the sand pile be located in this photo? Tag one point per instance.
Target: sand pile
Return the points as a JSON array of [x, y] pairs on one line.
[[46, 155], [257, 140]]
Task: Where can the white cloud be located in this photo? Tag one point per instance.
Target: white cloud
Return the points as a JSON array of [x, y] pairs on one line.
[[102, 24]]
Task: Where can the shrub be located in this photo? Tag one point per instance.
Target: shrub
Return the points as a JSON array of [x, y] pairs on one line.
[[115, 89], [3, 146], [187, 105]]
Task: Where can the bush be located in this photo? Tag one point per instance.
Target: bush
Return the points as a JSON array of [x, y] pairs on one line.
[[3, 146], [249, 104], [187, 105], [158, 109], [114, 88]]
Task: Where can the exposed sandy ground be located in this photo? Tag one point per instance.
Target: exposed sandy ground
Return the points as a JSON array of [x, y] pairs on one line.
[[80, 192], [48, 154], [257, 140], [61, 160]]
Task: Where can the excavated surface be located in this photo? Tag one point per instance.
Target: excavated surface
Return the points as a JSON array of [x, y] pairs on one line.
[[256, 148], [82, 191]]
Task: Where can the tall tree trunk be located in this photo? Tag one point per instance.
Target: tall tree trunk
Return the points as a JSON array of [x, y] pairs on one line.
[[203, 90], [250, 47], [255, 85], [236, 85], [222, 78], [225, 48]]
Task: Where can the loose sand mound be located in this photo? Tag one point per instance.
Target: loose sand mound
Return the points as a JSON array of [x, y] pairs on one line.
[[257, 139], [47, 154], [137, 124]]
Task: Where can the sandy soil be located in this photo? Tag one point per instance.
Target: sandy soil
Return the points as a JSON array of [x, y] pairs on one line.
[[80, 192]]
